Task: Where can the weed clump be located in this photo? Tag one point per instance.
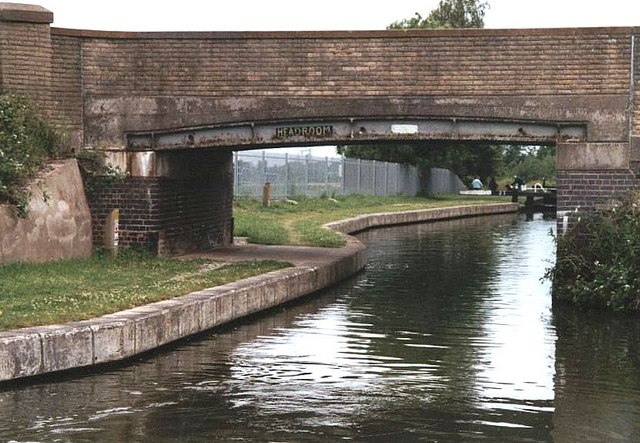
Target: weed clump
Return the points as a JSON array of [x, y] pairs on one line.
[[598, 260], [27, 142]]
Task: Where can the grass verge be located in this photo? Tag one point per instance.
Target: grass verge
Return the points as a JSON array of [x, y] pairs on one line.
[[301, 224], [80, 289]]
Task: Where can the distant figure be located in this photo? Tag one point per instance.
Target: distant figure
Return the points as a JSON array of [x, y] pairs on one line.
[[476, 184], [518, 182], [493, 185]]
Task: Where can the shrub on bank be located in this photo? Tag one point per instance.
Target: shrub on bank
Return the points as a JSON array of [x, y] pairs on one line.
[[598, 260], [27, 142]]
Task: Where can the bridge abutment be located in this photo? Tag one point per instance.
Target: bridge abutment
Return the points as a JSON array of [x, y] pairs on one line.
[[593, 175], [171, 202]]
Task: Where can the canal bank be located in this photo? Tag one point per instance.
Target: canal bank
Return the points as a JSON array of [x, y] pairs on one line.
[[40, 350]]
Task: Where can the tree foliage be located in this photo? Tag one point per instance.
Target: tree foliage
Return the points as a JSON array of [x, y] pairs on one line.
[[530, 162], [448, 14], [465, 160], [26, 143]]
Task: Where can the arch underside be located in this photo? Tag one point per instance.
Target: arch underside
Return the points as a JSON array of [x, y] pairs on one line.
[[345, 130]]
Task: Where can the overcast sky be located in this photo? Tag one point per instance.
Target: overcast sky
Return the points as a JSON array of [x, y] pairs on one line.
[[288, 15]]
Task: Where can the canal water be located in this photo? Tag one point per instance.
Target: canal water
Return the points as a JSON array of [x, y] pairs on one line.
[[449, 335]]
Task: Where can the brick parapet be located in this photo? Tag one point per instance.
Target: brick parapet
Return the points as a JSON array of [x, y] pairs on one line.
[[25, 60]]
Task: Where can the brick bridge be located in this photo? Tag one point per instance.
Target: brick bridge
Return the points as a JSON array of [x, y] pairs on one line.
[[170, 107]]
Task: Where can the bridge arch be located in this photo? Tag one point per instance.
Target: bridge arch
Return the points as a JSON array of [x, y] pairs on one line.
[[186, 98]]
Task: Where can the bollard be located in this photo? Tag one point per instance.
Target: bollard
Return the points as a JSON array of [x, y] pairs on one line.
[[111, 232], [266, 195]]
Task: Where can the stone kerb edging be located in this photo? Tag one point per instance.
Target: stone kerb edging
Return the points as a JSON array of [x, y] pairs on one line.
[[44, 349], [370, 221]]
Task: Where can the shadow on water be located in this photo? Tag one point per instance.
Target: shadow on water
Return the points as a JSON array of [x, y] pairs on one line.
[[449, 335]]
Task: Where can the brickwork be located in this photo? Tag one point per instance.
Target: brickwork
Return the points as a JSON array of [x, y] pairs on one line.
[[25, 50], [636, 87], [205, 78], [586, 190], [67, 89], [389, 64], [172, 214]]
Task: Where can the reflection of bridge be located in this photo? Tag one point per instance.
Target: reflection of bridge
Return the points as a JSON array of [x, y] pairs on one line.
[[170, 107]]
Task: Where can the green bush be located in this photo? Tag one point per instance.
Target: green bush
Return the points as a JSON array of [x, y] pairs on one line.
[[598, 260], [27, 142]]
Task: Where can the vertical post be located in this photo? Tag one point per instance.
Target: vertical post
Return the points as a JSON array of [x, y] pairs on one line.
[[386, 178], [286, 174], [264, 166], [326, 176], [306, 175], [112, 232], [359, 174], [344, 175], [236, 175], [266, 195], [375, 178]]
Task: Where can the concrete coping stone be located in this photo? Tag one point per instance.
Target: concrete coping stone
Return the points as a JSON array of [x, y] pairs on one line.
[[38, 350], [19, 12]]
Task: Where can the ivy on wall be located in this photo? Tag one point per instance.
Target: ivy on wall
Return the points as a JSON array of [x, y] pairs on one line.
[[27, 142]]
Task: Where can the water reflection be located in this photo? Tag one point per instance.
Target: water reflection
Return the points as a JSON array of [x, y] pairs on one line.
[[447, 336]]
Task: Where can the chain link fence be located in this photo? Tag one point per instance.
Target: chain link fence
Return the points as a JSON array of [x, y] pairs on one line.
[[296, 175]]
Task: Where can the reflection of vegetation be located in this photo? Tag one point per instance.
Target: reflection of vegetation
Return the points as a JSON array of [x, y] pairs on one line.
[[597, 360], [598, 261]]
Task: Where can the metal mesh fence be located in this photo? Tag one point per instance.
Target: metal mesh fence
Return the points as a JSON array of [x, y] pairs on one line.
[[295, 175]]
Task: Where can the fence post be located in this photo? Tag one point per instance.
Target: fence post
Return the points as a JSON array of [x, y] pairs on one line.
[[286, 175], [375, 178], [306, 175], [397, 179], [236, 178], [359, 174], [343, 172], [326, 176], [264, 167], [386, 178]]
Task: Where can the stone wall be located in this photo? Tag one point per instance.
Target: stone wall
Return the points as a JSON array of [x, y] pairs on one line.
[[58, 223]]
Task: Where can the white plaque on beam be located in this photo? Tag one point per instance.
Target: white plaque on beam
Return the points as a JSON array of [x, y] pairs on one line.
[[404, 129]]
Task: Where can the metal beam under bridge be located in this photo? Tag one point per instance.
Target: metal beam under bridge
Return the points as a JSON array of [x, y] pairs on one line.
[[249, 135]]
